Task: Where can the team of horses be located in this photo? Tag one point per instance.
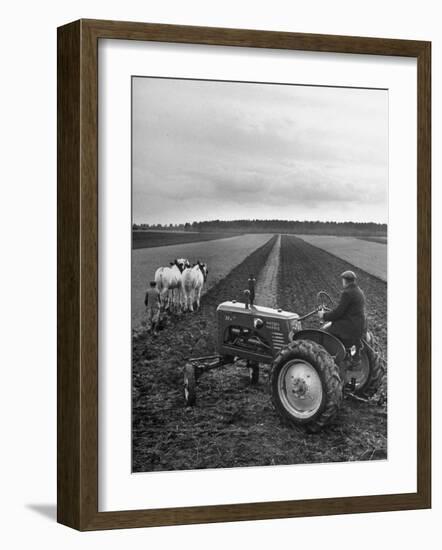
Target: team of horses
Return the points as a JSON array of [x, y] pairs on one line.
[[180, 284]]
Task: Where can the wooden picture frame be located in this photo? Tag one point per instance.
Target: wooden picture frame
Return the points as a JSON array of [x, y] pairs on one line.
[[78, 274]]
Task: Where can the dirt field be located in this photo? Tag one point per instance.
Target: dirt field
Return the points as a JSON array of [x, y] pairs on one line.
[[366, 255], [306, 269], [221, 256], [151, 239], [233, 423]]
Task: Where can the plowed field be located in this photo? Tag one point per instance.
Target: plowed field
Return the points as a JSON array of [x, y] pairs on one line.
[[306, 269], [233, 423]]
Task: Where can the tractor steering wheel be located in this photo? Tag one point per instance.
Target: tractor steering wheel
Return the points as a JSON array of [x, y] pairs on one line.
[[324, 301], [321, 299]]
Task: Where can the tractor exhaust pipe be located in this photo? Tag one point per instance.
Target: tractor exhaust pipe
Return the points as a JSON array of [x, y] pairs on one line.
[[250, 292], [247, 295]]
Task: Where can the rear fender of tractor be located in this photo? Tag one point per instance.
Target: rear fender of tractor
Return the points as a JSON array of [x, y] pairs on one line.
[[334, 346]]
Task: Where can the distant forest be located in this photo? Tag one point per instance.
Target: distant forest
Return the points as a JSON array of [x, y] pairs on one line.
[[273, 226]]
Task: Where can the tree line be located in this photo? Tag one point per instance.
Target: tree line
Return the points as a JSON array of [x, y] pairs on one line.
[[273, 226]]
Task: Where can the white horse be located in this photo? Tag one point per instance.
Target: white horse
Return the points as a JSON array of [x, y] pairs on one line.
[[192, 282], [181, 263], [169, 283]]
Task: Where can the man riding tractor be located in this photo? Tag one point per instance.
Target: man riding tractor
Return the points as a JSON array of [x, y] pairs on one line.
[[347, 321], [310, 368]]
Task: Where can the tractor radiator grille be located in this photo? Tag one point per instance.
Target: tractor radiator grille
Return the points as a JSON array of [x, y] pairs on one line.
[[278, 340]]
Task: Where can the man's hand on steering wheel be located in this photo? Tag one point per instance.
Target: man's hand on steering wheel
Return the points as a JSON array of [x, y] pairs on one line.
[[323, 302], [321, 313]]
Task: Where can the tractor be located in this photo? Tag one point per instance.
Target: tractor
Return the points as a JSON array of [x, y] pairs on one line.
[[310, 368]]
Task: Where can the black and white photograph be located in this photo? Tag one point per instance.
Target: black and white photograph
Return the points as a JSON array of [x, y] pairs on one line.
[[259, 274], [221, 275]]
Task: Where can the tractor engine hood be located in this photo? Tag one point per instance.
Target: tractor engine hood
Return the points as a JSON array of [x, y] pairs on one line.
[[240, 307]]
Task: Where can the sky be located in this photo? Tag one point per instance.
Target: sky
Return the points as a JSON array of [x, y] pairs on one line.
[[204, 150]]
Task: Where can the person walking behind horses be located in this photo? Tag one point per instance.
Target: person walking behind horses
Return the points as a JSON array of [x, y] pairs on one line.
[[152, 303]]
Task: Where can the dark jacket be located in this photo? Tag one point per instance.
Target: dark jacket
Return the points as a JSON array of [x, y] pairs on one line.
[[152, 298], [348, 317]]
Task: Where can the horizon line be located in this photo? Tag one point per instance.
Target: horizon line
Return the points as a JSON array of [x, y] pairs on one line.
[[266, 220]]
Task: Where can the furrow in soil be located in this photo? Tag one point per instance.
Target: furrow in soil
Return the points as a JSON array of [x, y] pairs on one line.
[[267, 283]]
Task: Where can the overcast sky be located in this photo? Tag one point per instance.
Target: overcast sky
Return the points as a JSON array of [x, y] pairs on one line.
[[227, 150]]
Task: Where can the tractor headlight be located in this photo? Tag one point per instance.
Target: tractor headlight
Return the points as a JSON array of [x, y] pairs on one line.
[[258, 323]]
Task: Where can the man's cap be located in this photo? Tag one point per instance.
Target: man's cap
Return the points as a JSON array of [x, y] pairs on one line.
[[152, 283], [349, 275]]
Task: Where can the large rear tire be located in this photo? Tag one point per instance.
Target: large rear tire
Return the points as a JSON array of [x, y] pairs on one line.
[[376, 372], [305, 385]]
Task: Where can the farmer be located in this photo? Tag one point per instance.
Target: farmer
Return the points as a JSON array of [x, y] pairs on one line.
[[348, 317], [251, 284], [152, 303]]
